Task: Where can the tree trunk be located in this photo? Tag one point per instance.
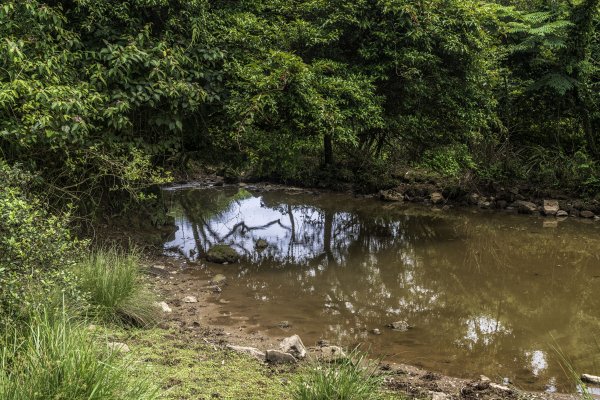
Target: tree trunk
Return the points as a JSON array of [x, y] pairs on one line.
[[328, 149]]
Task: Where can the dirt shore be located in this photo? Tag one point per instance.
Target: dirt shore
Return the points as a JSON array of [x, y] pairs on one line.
[[203, 320]]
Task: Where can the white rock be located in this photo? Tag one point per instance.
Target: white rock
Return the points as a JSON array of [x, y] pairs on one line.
[[439, 396], [590, 378], [279, 357], [253, 351], [164, 306], [401, 326], [294, 346], [501, 388], [550, 207], [118, 347], [331, 353], [190, 299]]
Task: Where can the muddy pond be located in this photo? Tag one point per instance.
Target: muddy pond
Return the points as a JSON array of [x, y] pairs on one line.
[[484, 292]]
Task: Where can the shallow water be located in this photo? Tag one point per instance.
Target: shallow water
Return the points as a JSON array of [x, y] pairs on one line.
[[486, 293]]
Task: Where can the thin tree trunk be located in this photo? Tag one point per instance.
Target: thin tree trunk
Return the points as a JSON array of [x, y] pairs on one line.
[[328, 149]]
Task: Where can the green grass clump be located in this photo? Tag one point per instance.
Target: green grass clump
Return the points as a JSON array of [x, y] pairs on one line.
[[111, 279], [352, 378], [49, 357]]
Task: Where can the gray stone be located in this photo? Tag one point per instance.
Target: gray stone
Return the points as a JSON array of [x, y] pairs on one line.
[[284, 324], [164, 306], [500, 388], [485, 204], [294, 346], [375, 331], [436, 198], [562, 214], [473, 199], [331, 353], [550, 207], [586, 214], [525, 207], [190, 299], [118, 347], [401, 326], [253, 351], [439, 396], [391, 195], [221, 254], [279, 357]]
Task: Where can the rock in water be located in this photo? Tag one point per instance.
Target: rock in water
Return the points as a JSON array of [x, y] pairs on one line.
[[391, 195], [586, 214], [218, 279], [525, 207], [221, 254], [562, 214], [254, 352], [279, 357], [401, 326], [118, 347], [550, 207], [261, 244], [294, 346]]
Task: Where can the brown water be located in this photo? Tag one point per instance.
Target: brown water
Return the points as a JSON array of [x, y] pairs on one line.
[[487, 293]]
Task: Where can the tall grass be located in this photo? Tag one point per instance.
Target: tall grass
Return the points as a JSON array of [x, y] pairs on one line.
[[50, 357], [352, 378], [571, 373], [111, 279]]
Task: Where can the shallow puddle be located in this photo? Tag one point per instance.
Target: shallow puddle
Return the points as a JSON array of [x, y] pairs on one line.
[[485, 293]]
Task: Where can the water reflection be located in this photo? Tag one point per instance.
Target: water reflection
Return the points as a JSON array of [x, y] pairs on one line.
[[487, 294]]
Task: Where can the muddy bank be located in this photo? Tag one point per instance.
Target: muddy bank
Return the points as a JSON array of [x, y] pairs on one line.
[[193, 293]]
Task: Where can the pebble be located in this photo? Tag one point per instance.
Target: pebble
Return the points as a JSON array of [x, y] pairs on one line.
[[118, 347]]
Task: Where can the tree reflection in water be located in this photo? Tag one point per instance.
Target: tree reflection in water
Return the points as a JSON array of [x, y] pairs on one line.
[[485, 292]]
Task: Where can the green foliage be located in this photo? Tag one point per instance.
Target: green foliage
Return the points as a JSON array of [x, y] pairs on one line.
[[449, 161], [353, 378], [36, 247], [111, 280], [54, 358], [96, 96]]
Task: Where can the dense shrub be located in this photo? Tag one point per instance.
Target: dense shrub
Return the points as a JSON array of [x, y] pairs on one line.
[[36, 247]]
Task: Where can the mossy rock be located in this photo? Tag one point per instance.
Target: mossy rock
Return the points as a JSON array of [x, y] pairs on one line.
[[261, 244], [221, 254]]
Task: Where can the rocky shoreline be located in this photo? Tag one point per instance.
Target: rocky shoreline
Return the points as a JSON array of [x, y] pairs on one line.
[[521, 199], [190, 291]]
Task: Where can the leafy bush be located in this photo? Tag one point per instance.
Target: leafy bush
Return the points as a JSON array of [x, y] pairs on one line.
[[112, 282], [353, 378], [36, 247], [449, 161], [54, 359]]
